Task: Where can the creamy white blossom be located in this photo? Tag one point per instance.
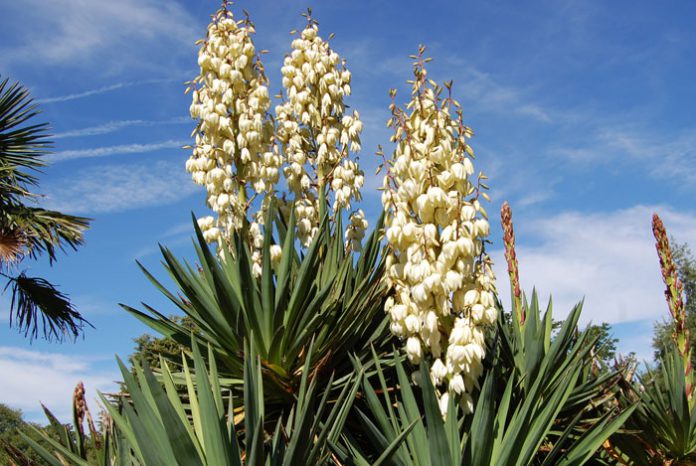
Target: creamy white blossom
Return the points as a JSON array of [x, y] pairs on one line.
[[315, 133], [436, 227], [233, 155]]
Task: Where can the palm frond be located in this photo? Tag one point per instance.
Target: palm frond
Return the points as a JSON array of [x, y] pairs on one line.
[[21, 147], [44, 231], [11, 246], [38, 307]]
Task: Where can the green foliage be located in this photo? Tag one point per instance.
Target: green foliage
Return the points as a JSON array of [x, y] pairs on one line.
[[605, 346], [67, 439], [663, 428], [156, 427], [18, 438], [149, 349], [326, 296], [28, 231], [535, 406], [12, 446]]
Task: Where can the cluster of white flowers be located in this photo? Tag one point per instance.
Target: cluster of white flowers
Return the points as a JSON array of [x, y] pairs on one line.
[[315, 133], [436, 227], [356, 230], [233, 139]]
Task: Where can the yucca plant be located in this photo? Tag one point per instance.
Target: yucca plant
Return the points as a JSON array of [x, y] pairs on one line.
[[663, 429], [283, 271], [155, 425], [70, 443], [505, 428], [529, 341], [325, 296]]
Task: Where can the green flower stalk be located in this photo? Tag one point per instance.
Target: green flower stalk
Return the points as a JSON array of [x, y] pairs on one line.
[[674, 295]]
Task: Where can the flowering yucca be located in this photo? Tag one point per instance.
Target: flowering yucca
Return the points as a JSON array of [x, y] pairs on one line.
[[315, 133], [233, 149], [442, 279], [239, 152]]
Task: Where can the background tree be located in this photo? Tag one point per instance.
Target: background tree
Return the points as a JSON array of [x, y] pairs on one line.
[[604, 343], [605, 347], [686, 268], [27, 231], [12, 446], [149, 348]]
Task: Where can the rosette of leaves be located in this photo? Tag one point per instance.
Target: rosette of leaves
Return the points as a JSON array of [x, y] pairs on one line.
[[534, 348], [663, 428], [327, 296], [544, 411]]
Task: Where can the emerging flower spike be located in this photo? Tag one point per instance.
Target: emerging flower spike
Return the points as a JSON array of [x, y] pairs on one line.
[[674, 293], [315, 133], [511, 259], [233, 155], [443, 285]]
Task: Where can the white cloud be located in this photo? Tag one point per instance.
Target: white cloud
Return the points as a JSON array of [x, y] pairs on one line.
[[88, 93], [116, 188], [33, 377], [607, 258], [114, 150], [103, 90], [113, 126], [489, 95], [98, 91], [113, 35], [480, 89]]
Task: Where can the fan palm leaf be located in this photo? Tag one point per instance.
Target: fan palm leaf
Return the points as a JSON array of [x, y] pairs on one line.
[[27, 230]]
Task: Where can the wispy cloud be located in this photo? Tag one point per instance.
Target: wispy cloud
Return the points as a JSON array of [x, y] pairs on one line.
[[104, 90], [114, 150], [113, 126], [487, 94], [174, 236], [659, 153], [36, 377], [112, 35], [482, 89], [117, 188], [607, 258], [665, 155]]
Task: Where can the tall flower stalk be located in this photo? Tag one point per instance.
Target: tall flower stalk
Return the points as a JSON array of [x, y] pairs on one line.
[[443, 285], [674, 293], [240, 150], [511, 259], [233, 153], [317, 135]]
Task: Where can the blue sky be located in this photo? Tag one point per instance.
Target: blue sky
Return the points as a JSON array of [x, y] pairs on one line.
[[583, 114]]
